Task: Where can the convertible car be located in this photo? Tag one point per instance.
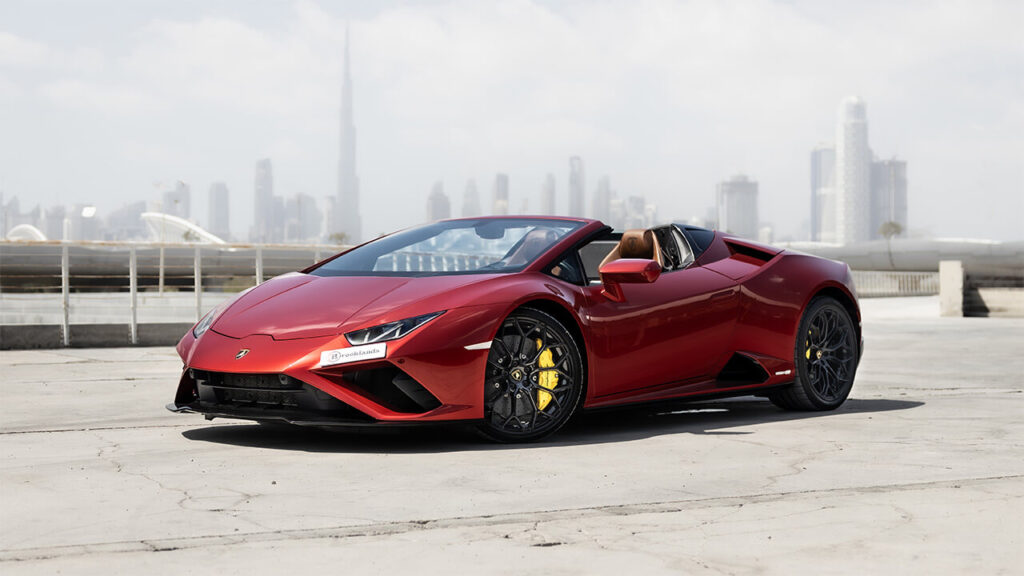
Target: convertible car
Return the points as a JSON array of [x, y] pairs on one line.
[[513, 324]]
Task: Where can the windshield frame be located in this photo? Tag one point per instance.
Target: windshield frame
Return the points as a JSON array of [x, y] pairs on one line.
[[393, 243]]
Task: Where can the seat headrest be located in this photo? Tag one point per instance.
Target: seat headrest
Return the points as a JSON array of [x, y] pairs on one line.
[[637, 244]]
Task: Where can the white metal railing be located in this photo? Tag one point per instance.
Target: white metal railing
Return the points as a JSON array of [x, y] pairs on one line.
[[108, 271], [874, 284], [96, 282], [69, 283]]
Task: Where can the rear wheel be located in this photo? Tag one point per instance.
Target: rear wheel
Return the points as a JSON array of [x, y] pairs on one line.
[[534, 378], [825, 356]]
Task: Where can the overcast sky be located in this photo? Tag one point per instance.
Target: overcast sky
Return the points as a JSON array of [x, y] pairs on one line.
[[107, 102]]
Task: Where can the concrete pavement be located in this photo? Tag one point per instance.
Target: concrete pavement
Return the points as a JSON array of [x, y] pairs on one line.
[[921, 471]]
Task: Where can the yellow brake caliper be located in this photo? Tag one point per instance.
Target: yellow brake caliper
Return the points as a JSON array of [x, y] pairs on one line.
[[547, 378]]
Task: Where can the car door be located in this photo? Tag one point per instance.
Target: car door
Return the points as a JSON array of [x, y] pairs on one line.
[[672, 330]]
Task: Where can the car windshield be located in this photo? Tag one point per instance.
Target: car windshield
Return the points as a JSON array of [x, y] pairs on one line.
[[475, 246]]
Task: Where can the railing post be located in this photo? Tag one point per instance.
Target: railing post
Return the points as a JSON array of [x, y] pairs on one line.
[[133, 289], [65, 289], [160, 286], [198, 273], [259, 265]]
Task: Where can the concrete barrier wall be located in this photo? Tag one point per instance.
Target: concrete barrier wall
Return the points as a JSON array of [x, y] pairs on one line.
[[42, 336], [964, 294]]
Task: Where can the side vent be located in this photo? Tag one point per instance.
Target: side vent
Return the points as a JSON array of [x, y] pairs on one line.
[[742, 369], [747, 252]]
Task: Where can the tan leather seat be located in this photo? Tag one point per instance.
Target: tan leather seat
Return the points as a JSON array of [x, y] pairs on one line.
[[635, 244]]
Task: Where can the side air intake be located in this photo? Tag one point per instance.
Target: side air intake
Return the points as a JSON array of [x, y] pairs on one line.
[[746, 251], [742, 369]]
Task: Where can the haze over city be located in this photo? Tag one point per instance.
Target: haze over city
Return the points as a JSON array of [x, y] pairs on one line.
[[107, 104]]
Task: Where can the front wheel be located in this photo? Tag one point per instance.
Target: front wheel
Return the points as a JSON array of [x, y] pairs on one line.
[[534, 378], [825, 355]]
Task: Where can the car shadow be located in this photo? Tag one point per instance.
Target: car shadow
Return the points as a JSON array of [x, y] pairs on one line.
[[716, 417]]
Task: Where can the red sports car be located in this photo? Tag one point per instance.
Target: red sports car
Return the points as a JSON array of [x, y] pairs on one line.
[[515, 323]]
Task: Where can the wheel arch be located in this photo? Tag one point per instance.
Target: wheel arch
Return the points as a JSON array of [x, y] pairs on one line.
[[571, 323], [848, 302]]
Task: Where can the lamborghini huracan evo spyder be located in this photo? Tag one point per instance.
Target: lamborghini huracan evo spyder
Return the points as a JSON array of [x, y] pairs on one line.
[[515, 323]]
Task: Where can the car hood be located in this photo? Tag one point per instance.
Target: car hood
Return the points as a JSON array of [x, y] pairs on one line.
[[304, 306]]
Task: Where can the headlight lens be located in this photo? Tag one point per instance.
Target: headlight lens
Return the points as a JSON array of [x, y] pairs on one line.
[[204, 324], [389, 331]]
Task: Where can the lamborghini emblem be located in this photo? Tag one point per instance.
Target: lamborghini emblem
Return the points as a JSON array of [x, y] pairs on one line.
[[241, 353]]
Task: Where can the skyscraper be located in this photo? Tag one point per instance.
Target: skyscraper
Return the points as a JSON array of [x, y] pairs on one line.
[[500, 198], [823, 193], [263, 202], [302, 219], [888, 196], [178, 202], [438, 206], [853, 173], [346, 210], [470, 200], [218, 213], [736, 202], [547, 196], [577, 186], [601, 208]]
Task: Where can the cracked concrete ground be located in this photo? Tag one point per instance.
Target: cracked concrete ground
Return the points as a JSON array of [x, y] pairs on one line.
[[922, 471]]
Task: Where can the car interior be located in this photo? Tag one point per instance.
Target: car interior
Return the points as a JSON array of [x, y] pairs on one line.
[[663, 244]]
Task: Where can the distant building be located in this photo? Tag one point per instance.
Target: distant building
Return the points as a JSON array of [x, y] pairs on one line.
[[852, 196], [736, 205], [125, 223], [278, 216], [348, 219], [471, 200], [547, 196], [218, 214], [823, 193], [602, 205], [577, 187], [853, 173], [438, 205], [83, 223], [500, 197], [13, 216], [178, 202], [636, 213], [888, 196], [302, 219], [53, 222], [263, 202]]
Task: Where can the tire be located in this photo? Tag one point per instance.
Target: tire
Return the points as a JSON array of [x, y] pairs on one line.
[[534, 380], [825, 357]]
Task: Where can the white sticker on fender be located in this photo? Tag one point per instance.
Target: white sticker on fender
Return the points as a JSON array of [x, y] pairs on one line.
[[353, 354]]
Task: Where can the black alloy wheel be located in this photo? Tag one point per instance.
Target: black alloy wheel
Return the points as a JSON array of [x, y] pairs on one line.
[[534, 378], [826, 356]]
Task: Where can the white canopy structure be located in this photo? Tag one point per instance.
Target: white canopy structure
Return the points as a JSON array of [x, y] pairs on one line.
[[168, 228], [26, 233]]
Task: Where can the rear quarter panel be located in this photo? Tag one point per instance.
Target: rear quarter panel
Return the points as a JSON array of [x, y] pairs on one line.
[[773, 300]]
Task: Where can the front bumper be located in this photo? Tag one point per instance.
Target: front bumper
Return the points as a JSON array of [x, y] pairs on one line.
[[429, 376]]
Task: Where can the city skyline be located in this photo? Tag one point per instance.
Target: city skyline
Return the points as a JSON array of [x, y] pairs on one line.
[[270, 90]]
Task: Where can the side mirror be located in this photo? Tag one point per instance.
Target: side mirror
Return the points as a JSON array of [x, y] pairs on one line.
[[627, 271]]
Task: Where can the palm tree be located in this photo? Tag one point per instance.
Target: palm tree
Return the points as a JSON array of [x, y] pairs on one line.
[[888, 230]]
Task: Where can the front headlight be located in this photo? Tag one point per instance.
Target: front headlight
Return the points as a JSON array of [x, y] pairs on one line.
[[389, 331], [204, 324], [206, 321]]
